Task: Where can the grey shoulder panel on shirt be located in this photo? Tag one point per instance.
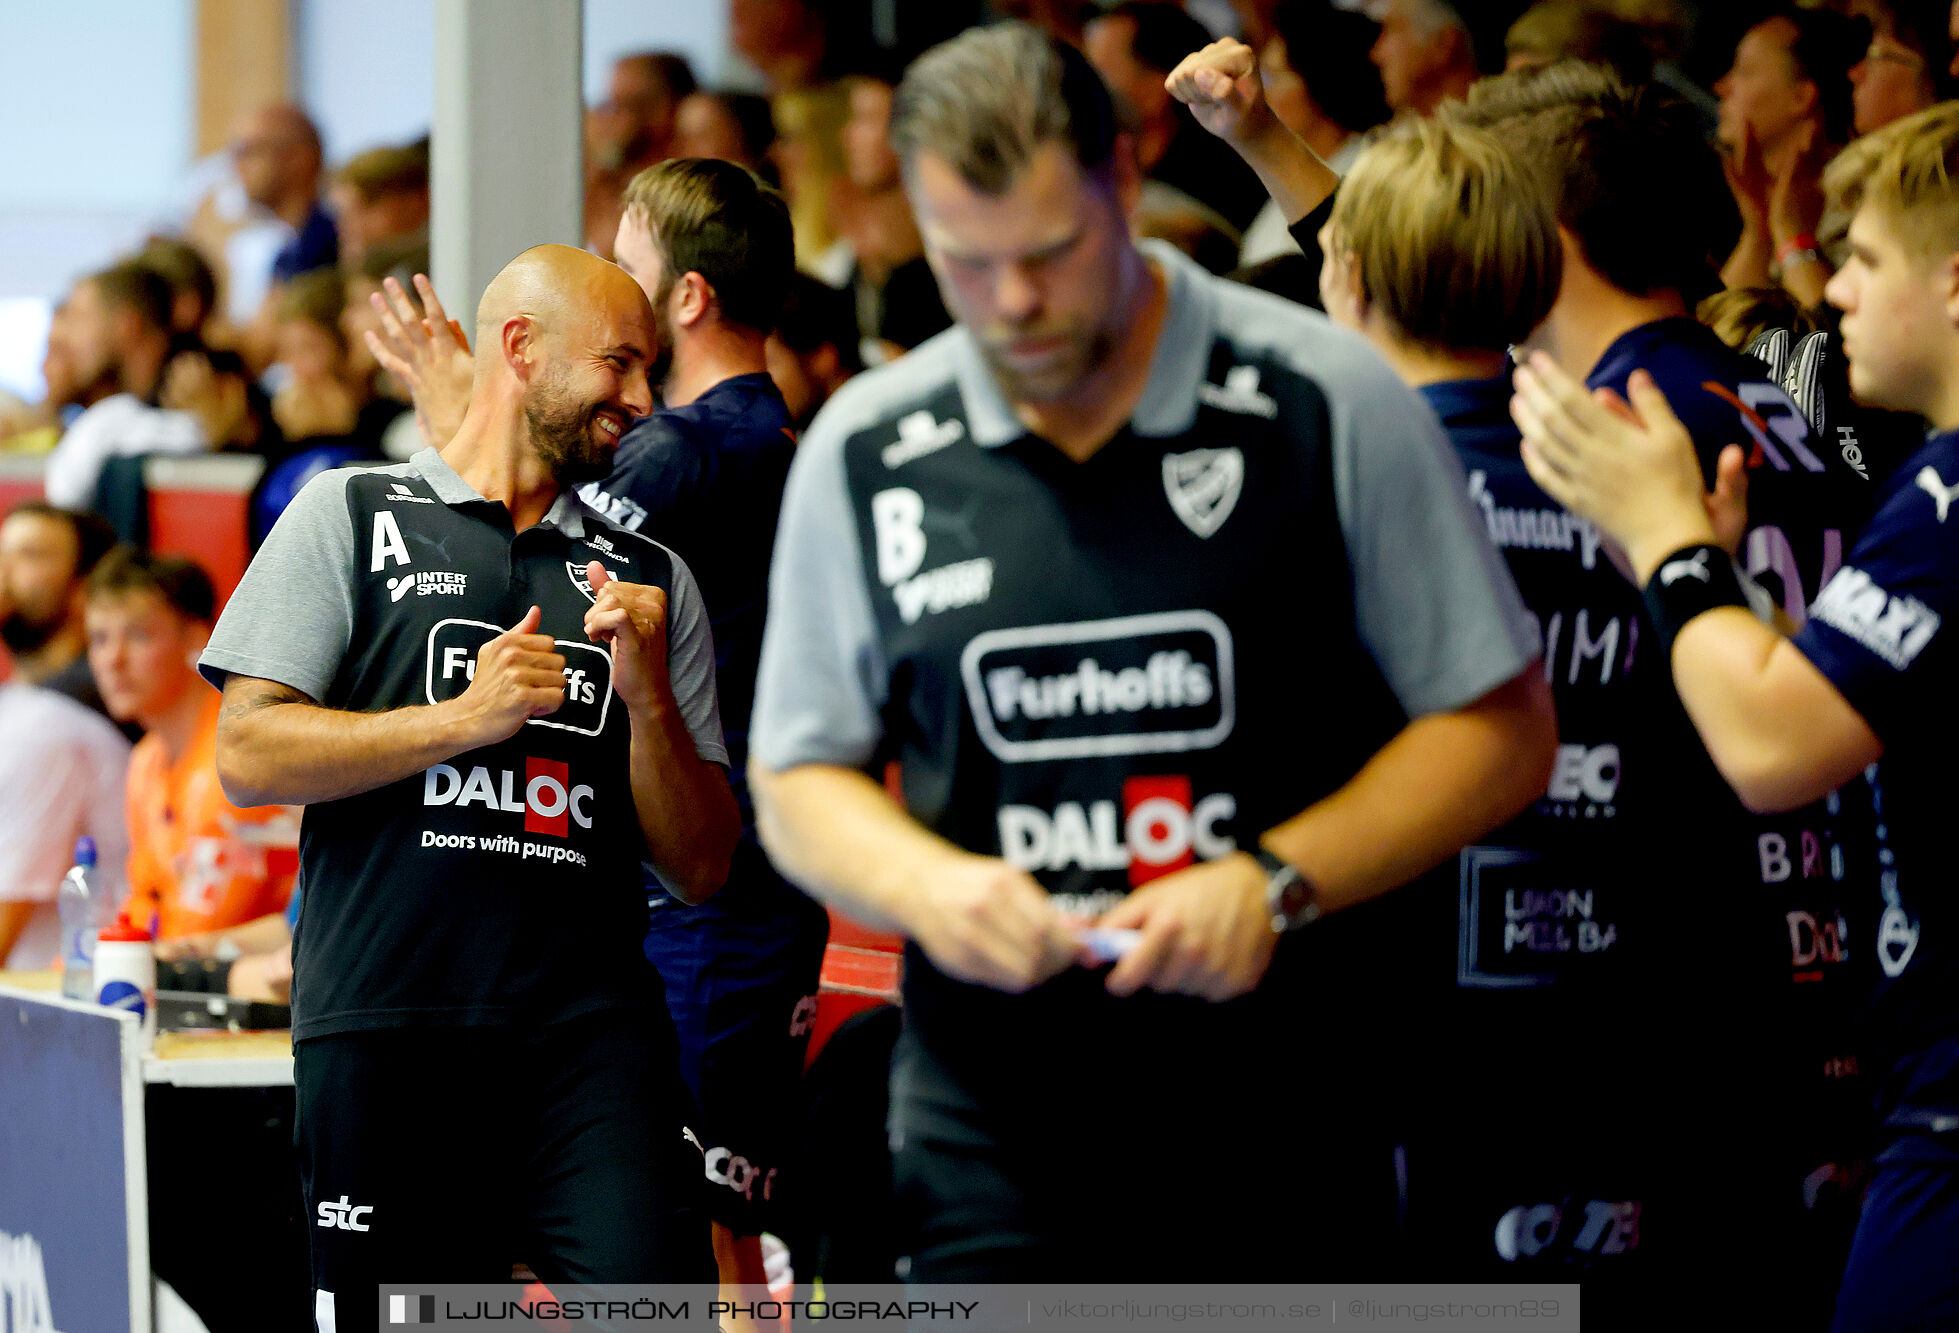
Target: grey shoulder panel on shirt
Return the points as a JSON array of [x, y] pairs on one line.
[[883, 393], [1339, 361], [1434, 601], [292, 614], [821, 682]]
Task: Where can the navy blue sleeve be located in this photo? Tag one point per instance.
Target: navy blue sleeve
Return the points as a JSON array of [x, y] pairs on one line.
[[659, 472], [1877, 629]]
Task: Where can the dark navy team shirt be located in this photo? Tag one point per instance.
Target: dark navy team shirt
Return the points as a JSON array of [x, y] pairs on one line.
[[1618, 919], [1878, 633], [1807, 872], [707, 478], [1563, 901], [1806, 498], [315, 245]]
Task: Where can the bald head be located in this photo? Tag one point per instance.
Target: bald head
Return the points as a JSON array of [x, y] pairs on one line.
[[564, 340], [555, 287], [277, 154], [286, 121]]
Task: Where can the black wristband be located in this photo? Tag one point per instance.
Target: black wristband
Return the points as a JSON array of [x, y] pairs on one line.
[[1692, 580]]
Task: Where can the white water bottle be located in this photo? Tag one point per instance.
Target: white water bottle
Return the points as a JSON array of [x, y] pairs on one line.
[[82, 918], [125, 972]]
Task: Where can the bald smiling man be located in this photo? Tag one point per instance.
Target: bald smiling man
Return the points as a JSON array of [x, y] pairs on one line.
[[494, 704]]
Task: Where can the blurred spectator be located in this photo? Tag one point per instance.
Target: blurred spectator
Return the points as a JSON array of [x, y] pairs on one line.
[[217, 387], [1066, 19], [628, 132], [35, 428], [1785, 111], [380, 195], [1740, 315], [808, 156], [264, 223], [1425, 53], [1790, 77], [814, 347], [634, 127], [193, 284], [891, 286], [1321, 85], [1907, 66], [263, 220], [401, 261], [279, 159], [735, 127], [199, 866], [28, 428], [787, 41], [1553, 30], [328, 410], [45, 554], [323, 399], [1134, 45], [61, 759], [115, 331]]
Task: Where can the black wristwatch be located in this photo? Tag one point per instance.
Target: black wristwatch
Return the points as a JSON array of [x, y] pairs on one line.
[[1289, 895]]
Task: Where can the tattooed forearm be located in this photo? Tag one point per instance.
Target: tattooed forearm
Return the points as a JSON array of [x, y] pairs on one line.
[[244, 696], [277, 746]]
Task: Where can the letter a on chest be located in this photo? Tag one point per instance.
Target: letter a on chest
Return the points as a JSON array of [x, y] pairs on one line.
[[388, 544]]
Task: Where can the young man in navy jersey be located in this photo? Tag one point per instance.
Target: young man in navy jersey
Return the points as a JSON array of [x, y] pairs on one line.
[[1640, 199], [711, 246], [1165, 600], [1624, 1182], [479, 801], [1866, 680]]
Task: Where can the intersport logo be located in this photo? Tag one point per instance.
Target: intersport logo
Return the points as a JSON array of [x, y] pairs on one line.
[[1151, 684]]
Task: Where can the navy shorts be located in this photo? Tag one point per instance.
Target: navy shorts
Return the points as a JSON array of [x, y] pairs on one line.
[[740, 972], [1903, 1274]]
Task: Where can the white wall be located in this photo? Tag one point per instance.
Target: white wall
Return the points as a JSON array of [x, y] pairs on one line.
[[97, 103], [98, 100], [698, 29], [366, 67]]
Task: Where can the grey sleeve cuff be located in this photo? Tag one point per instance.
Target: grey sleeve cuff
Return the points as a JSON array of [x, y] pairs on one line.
[[1434, 602], [690, 664]]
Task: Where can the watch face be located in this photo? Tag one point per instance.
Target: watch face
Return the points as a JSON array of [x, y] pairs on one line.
[[1290, 895]]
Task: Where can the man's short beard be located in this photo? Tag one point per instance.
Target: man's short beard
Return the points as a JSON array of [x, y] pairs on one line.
[[1093, 352], [562, 436], [561, 432], [656, 373], [23, 635]]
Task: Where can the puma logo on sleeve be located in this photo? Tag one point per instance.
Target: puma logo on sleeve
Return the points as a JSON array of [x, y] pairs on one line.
[[1675, 570], [1934, 485]]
